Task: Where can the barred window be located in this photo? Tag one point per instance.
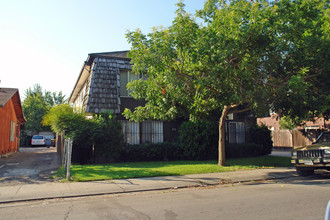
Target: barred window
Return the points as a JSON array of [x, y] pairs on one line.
[[145, 132], [152, 132]]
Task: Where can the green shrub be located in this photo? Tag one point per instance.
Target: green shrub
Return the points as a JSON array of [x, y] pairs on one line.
[[97, 140], [151, 152], [199, 140], [243, 150], [109, 140], [83, 140], [262, 136]]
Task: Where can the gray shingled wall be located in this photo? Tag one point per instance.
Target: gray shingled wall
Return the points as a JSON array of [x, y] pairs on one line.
[[105, 85]]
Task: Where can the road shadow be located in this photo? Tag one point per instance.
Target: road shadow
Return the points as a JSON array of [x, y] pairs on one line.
[[320, 178]]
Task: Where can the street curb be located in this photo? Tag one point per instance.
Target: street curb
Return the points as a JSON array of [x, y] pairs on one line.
[[141, 190]]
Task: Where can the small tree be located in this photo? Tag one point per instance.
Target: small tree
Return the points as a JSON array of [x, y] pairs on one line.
[[99, 138], [62, 118], [83, 132]]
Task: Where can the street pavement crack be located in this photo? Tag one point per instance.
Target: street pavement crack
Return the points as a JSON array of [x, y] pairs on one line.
[[120, 187], [18, 189], [68, 212]]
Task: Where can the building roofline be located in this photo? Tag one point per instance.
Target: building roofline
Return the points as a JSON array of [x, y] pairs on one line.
[[12, 93], [121, 55], [6, 94]]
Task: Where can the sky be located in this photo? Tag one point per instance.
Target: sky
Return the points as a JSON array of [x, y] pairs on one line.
[[47, 41]]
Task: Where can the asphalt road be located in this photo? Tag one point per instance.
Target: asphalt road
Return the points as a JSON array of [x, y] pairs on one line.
[[29, 165], [292, 198]]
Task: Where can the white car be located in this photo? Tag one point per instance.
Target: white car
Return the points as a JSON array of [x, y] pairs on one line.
[[38, 140]]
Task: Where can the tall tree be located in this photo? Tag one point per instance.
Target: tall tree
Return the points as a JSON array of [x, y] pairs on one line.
[[36, 104], [54, 98], [247, 55], [302, 38], [34, 108]]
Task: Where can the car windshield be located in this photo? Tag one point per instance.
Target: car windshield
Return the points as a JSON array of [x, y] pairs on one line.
[[325, 137], [37, 137]]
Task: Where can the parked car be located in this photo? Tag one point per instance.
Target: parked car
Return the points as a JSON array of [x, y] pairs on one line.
[[316, 156], [38, 140]]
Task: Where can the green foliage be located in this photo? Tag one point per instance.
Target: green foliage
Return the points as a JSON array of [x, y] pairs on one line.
[[246, 52], [192, 69], [290, 123], [84, 138], [261, 135], [36, 104], [54, 98], [74, 125], [151, 152], [34, 108], [199, 140], [244, 150], [62, 118], [94, 140], [109, 140], [302, 44]]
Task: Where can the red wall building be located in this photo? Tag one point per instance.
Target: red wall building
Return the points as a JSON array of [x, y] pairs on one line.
[[11, 120]]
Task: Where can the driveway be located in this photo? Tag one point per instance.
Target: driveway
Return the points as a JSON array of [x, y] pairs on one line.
[[29, 165]]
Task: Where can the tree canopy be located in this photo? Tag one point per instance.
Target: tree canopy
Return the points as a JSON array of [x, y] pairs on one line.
[[62, 118], [36, 104], [245, 55]]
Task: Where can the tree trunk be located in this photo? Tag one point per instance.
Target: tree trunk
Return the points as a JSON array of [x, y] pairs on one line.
[[222, 137]]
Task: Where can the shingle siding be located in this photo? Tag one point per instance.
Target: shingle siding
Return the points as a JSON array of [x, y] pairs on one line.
[[104, 86]]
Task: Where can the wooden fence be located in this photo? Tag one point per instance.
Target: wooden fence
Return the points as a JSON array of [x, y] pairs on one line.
[[60, 145], [294, 138]]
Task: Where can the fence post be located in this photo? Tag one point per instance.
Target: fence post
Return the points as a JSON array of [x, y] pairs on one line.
[[68, 159], [64, 152]]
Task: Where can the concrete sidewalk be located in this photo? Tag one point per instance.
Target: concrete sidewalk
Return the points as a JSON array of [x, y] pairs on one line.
[[30, 192]]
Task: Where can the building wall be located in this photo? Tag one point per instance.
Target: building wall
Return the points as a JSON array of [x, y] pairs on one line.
[[82, 97], [7, 115], [102, 92]]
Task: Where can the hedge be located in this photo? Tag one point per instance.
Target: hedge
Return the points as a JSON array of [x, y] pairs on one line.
[[244, 150], [151, 152]]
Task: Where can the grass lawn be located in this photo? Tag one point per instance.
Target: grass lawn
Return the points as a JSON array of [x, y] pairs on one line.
[[168, 168]]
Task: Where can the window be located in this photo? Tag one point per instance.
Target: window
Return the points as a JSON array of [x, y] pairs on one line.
[[126, 76], [12, 131], [145, 132], [236, 132], [152, 132], [131, 131]]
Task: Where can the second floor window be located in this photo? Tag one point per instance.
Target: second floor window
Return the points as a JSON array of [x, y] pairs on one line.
[[126, 76]]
